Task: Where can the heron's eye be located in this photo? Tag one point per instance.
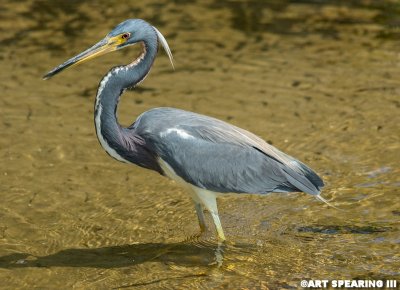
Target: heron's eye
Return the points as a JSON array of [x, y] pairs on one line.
[[125, 35]]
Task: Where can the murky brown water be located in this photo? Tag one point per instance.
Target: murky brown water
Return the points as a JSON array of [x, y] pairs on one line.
[[318, 79]]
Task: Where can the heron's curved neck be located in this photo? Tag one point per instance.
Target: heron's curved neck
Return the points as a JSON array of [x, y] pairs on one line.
[[120, 78], [110, 133]]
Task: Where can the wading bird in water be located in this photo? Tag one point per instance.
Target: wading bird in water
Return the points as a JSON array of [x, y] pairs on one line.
[[207, 156]]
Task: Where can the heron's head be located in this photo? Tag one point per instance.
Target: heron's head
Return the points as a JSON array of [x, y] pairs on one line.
[[127, 33]]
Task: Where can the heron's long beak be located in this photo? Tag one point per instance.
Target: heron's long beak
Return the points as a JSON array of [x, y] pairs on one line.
[[104, 46]]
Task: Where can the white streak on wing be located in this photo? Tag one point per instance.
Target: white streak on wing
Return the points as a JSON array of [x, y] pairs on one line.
[[103, 142], [180, 132]]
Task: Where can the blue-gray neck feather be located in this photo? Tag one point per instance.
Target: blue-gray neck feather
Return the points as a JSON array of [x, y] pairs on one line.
[[124, 141]]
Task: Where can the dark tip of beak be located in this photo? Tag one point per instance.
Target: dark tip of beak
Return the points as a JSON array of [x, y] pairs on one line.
[[85, 54], [48, 75], [58, 69]]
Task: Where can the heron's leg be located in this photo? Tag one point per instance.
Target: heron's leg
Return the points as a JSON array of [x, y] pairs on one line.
[[209, 200], [218, 225], [200, 215]]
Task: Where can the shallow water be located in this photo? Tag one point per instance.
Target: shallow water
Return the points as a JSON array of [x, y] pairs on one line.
[[317, 79]]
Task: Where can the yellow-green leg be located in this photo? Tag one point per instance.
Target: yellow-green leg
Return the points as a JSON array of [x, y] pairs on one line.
[[209, 200]]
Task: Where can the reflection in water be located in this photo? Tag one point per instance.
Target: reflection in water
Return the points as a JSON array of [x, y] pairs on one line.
[[274, 16], [318, 79], [121, 256], [351, 229]]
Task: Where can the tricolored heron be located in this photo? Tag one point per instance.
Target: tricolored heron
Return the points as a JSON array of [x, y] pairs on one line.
[[207, 156]]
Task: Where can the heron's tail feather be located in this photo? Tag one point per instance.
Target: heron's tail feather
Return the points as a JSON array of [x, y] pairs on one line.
[[302, 177], [300, 181], [319, 197], [310, 175]]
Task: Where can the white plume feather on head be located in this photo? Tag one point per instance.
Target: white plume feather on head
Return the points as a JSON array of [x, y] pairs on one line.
[[165, 45]]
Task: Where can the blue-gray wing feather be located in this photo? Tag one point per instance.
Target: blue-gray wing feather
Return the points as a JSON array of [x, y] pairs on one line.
[[220, 157]]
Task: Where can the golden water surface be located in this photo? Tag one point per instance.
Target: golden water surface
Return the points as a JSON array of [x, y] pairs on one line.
[[317, 79]]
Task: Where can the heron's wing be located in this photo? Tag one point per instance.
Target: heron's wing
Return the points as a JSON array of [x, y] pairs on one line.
[[297, 173], [217, 156]]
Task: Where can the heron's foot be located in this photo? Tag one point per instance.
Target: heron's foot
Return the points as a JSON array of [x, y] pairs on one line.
[[193, 238], [197, 237]]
